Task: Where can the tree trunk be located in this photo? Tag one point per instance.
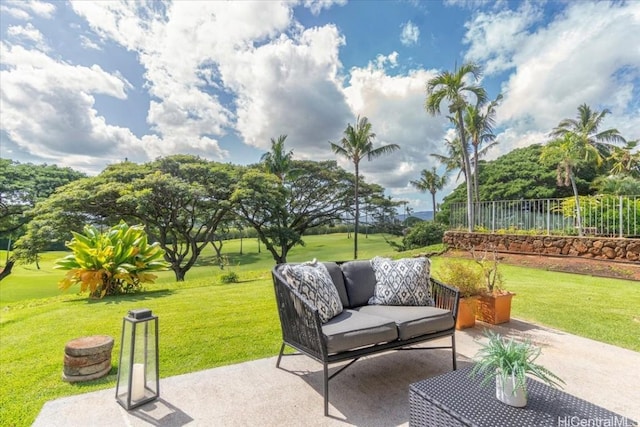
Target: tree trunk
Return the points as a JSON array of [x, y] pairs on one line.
[[468, 176], [7, 268], [357, 219], [433, 198], [476, 187], [578, 214], [180, 273]]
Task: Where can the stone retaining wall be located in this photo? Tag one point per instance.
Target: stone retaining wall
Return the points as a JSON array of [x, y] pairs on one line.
[[617, 249]]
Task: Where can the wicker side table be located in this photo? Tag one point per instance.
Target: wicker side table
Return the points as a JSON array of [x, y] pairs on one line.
[[457, 399]]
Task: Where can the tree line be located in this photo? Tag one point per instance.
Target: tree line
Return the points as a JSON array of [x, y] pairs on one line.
[[186, 202]]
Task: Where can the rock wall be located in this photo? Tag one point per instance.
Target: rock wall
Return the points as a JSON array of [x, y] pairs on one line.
[[610, 248]]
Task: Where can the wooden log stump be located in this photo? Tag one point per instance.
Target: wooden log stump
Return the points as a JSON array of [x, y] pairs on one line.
[[87, 358]]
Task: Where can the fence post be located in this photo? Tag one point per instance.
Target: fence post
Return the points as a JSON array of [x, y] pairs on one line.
[[493, 216], [620, 218], [548, 217]]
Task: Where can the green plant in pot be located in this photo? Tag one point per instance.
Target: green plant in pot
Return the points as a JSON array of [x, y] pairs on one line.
[[509, 362], [494, 304], [468, 278]]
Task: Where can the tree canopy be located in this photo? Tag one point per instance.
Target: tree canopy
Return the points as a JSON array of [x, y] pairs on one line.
[[281, 212], [22, 185]]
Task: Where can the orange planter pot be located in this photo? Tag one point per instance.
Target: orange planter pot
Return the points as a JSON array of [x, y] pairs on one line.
[[466, 313], [494, 309]]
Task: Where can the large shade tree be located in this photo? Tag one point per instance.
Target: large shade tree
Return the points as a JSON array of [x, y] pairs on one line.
[[455, 88], [432, 182], [22, 186], [356, 145], [282, 212], [181, 200]]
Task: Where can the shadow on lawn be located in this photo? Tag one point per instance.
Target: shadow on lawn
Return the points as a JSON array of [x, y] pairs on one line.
[[119, 299]]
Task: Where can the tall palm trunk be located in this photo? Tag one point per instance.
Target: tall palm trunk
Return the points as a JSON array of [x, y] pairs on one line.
[[357, 219], [575, 194], [467, 165], [476, 187], [433, 200]]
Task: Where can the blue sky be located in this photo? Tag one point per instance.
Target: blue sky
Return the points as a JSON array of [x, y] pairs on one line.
[[85, 84]]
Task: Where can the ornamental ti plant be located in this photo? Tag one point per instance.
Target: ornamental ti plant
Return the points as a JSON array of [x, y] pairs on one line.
[[114, 262]]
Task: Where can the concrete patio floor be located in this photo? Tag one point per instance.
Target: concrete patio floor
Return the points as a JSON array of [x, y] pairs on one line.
[[372, 392]]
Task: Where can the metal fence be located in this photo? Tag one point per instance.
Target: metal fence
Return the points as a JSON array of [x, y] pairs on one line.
[[612, 216]]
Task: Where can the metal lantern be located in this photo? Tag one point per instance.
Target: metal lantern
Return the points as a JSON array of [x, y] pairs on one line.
[[138, 376]]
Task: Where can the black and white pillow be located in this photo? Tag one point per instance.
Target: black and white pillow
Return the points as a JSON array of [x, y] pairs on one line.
[[401, 282], [313, 281]]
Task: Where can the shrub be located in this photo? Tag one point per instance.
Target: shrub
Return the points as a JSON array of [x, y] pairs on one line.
[[230, 277], [467, 277], [424, 234], [111, 263]]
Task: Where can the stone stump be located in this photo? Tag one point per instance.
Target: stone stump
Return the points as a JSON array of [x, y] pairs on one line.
[[87, 358]]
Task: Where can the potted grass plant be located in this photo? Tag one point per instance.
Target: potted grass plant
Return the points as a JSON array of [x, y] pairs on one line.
[[468, 279], [494, 303], [509, 362]]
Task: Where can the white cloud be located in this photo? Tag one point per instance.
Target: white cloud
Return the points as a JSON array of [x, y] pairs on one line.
[[410, 34], [25, 9], [40, 8], [87, 43], [495, 37], [183, 47], [395, 107], [316, 6], [28, 33], [15, 12], [48, 109], [576, 59], [290, 86]]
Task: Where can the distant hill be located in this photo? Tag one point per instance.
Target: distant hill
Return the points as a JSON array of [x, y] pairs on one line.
[[423, 215]]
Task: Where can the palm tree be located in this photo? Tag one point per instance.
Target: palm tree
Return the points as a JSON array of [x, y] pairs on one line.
[[585, 128], [569, 152], [356, 145], [432, 182], [454, 87], [453, 160], [579, 140], [479, 121], [278, 161], [624, 161]]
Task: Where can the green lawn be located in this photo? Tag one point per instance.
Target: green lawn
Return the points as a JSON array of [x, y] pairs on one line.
[[205, 324]]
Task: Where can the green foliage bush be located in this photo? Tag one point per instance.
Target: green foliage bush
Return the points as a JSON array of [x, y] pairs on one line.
[[110, 263], [230, 277], [463, 275], [424, 234]]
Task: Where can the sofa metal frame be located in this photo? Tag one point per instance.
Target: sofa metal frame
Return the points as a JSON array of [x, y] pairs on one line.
[[302, 329]]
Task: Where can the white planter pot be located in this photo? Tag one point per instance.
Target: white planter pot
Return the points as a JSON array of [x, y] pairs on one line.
[[508, 391]]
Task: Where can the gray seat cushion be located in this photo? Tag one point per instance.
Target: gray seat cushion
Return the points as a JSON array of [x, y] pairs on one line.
[[412, 321], [351, 329], [360, 281]]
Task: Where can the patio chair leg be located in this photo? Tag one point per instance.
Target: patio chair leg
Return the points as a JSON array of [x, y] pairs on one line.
[[280, 356], [453, 351], [326, 390]]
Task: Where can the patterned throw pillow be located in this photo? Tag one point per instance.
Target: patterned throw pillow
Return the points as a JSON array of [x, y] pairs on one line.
[[401, 282], [313, 281]]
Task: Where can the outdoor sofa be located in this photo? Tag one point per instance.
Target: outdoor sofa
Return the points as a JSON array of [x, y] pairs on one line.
[[335, 312]]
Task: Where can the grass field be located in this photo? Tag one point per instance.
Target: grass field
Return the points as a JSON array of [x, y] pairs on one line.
[[204, 323]]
